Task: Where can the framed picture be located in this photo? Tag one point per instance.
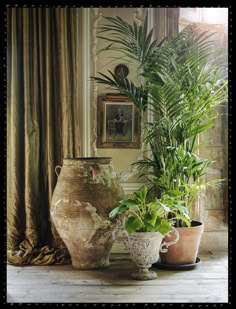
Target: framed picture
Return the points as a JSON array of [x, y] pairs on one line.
[[118, 124]]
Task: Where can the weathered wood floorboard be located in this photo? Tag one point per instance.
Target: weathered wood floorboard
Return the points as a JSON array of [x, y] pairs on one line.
[[208, 282]]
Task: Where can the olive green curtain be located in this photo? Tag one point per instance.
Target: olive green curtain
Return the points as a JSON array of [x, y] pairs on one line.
[[42, 126]]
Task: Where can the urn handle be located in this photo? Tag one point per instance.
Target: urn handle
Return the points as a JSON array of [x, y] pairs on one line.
[[167, 244], [57, 173], [94, 171], [119, 228]]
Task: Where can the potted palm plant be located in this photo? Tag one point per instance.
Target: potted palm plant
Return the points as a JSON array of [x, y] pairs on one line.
[[181, 84], [145, 222]]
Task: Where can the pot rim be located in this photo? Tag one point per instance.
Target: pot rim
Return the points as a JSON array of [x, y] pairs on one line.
[[198, 224], [146, 234]]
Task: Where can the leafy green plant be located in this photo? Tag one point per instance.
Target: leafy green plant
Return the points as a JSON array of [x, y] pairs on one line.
[[180, 83], [145, 215]]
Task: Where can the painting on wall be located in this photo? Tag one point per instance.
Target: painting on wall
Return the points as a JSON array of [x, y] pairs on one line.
[[118, 124]]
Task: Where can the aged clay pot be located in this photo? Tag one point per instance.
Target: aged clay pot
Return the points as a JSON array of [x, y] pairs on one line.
[[186, 249], [86, 191]]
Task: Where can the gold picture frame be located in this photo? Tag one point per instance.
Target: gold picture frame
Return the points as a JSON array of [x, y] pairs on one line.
[[118, 124]]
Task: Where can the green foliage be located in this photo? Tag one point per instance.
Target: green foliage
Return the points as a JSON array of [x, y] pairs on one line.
[[182, 83], [157, 215]]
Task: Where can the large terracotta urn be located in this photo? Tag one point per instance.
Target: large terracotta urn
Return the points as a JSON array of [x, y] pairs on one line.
[[87, 190]]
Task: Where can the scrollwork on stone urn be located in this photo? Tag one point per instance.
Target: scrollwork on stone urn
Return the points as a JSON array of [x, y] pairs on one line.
[[144, 248], [144, 251]]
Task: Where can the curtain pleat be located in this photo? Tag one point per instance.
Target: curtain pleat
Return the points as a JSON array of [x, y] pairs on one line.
[[42, 126]]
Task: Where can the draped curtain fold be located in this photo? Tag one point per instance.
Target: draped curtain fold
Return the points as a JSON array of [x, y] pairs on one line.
[[42, 126]]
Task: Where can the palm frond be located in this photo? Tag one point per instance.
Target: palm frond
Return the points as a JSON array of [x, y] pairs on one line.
[[136, 93], [131, 40]]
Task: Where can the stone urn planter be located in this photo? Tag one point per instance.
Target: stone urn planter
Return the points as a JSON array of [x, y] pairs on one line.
[[144, 248], [86, 191]]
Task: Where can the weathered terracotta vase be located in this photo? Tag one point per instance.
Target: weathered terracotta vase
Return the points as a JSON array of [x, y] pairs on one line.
[[86, 191]]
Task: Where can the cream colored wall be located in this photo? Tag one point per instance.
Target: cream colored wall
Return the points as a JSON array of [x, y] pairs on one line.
[[122, 158]]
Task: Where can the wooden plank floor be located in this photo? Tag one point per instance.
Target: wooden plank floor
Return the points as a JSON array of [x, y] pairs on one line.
[[207, 283]]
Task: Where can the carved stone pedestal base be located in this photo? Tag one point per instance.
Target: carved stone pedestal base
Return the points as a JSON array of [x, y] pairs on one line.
[[144, 274]]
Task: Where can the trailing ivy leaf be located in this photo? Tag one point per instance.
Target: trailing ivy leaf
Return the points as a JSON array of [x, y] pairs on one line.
[[133, 224], [184, 219], [118, 210], [128, 202], [175, 193], [138, 195], [149, 227], [151, 218], [164, 227], [163, 205], [144, 191]]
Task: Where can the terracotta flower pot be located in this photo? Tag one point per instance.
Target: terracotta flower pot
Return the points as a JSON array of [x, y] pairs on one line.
[[186, 249], [86, 191]]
